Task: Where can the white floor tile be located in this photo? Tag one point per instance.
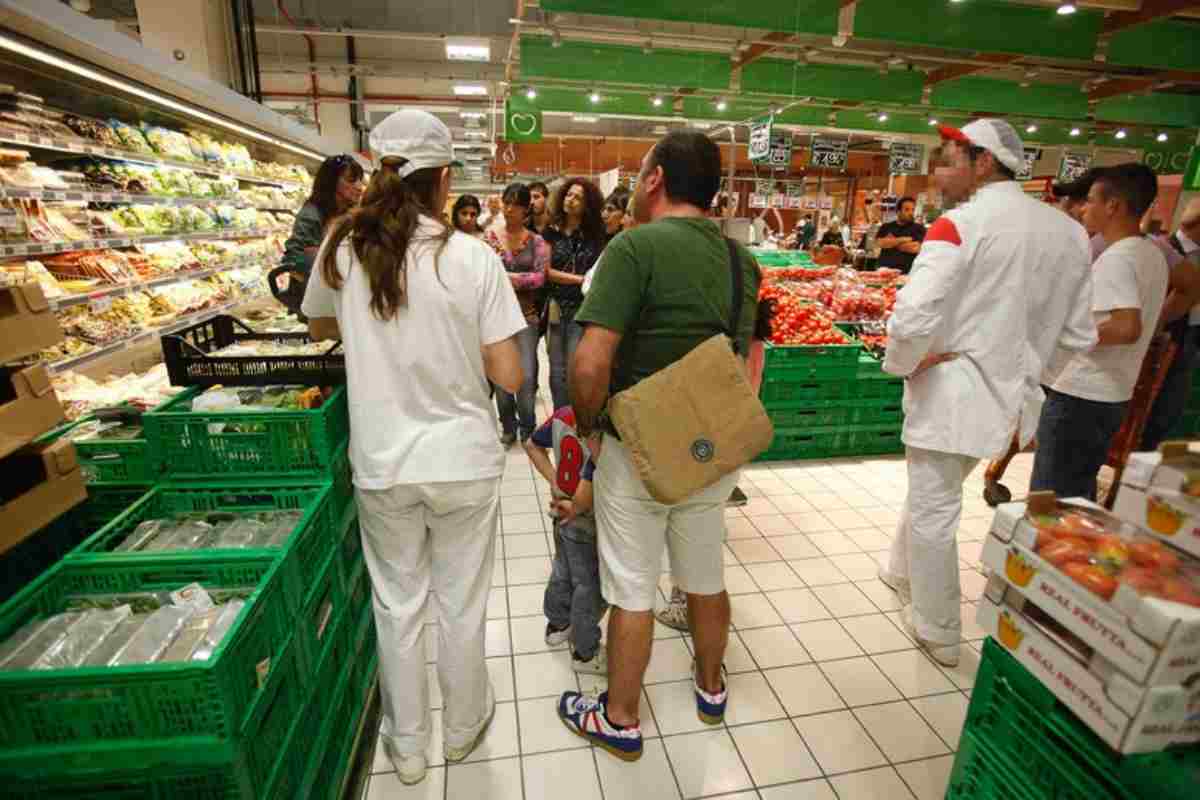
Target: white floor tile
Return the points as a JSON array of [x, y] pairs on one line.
[[797, 605], [389, 787], [738, 580], [754, 611], [649, 776], [875, 633], [773, 576], [707, 763], [795, 546], [741, 528], [760, 507], [496, 639], [870, 539], [946, 713], [737, 657], [547, 774], [525, 545], [751, 700], [670, 660], [528, 570], [526, 601], [542, 730], [835, 543], [963, 675], [859, 681], [871, 785], [855, 566], [774, 753], [521, 504], [816, 571], [497, 606], [752, 551], [773, 525], [900, 732], [826, 640], [845, 519], [818, 789], [844, 600], [544, 674], [495, 780], [515, 524], [775, 647], [529, 635], [804, 690], [839, 742], [928, 778], [791, 503], [913, 673], [500, 740], [674, 706], [883, 597], [500, 671]]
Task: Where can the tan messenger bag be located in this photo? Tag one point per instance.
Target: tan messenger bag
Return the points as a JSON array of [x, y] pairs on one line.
[[692, 423]]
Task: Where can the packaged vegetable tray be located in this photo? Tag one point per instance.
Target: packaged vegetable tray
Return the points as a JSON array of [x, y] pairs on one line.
[[191, 357], [1161, 493], [227, 713], [1131, 599]]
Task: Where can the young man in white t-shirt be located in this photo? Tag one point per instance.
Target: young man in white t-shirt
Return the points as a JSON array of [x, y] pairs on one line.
[[1087, 401]]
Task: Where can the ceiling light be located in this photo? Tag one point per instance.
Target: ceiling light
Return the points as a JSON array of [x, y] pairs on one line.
[[468, 50], [475, 134], [472, 114], [1031, 128], [531, 93], [1066, 7], [883, 117], [584, 118], [469, 89], [555, 38], [722, 105], [1121, 134], [594, 96], [1162, 137], [658, 101], [1075, 131], [701, 125], [933, 121], [78, 69]]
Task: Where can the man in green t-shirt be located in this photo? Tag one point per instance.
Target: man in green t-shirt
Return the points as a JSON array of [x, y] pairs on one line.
[[659, 290]]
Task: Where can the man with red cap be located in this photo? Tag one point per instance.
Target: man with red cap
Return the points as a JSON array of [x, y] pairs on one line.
[[1001, 281]]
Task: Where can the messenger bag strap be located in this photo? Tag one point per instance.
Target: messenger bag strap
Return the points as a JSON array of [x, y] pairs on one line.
[[739, 289]]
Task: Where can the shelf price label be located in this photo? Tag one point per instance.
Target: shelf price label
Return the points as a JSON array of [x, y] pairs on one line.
[[830, 152], [1073, 166], [906, 158]]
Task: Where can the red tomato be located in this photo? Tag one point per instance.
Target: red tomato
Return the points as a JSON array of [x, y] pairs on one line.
[[1144, 580], [1065, 550], [1156, 555], [1091, 577], [1179, 590]]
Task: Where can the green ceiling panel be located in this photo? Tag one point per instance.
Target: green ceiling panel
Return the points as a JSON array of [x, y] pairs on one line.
[[1154, 109], [773, 76], [586, 61], [989, 26], [577, 101], [798, 16], [992, 96], [1165, 44]]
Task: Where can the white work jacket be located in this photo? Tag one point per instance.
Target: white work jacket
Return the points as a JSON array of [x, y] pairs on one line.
[[1002, 281]]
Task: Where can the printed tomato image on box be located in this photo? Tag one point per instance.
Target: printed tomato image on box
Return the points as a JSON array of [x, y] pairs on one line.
[[1161, 492], [1132, 600]]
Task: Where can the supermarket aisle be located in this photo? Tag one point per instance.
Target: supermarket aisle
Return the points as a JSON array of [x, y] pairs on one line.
[[829, 698]]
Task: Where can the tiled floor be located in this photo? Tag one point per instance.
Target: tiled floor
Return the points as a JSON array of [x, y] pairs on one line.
[[828, 696]]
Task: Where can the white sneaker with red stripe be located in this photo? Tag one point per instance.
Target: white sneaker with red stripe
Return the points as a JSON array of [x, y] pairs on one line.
[[585, 717]]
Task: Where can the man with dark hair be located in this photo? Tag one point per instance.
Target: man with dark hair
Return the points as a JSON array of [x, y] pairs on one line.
[[666, 290], [900, 241], [539, 209], [1071, 197], [1000, 282], [1089, 396]]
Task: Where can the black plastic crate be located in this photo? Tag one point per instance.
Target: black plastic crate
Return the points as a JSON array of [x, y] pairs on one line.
[[189, 363]]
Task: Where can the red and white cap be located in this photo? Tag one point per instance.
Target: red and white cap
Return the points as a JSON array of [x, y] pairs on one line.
[[994, 135]]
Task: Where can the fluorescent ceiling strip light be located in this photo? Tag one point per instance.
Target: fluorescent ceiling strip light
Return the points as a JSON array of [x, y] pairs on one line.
[[468, 50], [583, 118], [20, 48], [469, 90]]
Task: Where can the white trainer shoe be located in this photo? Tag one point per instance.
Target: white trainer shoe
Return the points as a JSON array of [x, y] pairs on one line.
[[946, 655], [674, 614], [410, 767], [456, 754], [596, 665], [899, 585]]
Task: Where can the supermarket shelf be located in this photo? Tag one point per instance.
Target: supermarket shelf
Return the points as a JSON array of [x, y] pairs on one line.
[[99, 299], [143, 337], [80, 147], [46, 248], [72, 196]]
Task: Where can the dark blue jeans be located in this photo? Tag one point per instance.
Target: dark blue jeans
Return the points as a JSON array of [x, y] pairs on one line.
[[518, 414], [1172, 400], [1073, 438], [561, 340], [573, 593]]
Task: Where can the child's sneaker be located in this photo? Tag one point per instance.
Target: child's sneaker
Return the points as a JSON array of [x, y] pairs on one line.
[[711, 707], [557, 636], [596, 665], [587, 718], [674, 614]]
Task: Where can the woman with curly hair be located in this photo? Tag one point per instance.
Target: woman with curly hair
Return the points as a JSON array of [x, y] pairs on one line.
[[581, 237]]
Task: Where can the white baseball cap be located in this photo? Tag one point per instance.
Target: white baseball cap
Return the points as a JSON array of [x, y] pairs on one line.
[[994, 135], [416, 136]]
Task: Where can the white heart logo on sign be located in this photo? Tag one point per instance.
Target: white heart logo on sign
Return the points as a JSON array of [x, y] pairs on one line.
[[517, 120]]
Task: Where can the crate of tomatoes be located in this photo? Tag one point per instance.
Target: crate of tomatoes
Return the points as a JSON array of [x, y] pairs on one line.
[[804, 341]]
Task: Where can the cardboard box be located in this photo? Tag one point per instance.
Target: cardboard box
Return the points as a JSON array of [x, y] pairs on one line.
[[1129, 717], [1152, 641], [55, 484], [33, 409], [27, 324], [1161, 493]]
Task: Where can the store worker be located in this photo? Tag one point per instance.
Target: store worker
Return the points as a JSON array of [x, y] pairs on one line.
[[427, 317], [1001, 281], [1181, 313], [899, 241], [336, 189], [1089, 397], [663, 289]]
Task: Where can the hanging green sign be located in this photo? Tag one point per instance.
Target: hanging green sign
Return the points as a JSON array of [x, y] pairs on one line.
[[1191, 173], [522, 123], [760, 140]]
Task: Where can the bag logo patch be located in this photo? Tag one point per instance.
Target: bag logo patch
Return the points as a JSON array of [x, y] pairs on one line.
[[703, 450]]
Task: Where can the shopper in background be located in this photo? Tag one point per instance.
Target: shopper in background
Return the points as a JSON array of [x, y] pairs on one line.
[[336, 189], [807, 232], [613, 212], [580, 238], [900, 241], [427, 317], [1001, 281], [833, 235], [1071, 198], [664, 289], [540, 217], [1089, 397], [526, 257], [465, 215], [493, 214]]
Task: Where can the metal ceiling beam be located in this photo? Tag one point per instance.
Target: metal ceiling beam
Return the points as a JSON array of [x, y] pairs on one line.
[[1150, 10], [760, 49], [984, 61]]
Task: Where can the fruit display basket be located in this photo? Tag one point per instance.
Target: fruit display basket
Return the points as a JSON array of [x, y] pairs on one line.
[[1161, 493]]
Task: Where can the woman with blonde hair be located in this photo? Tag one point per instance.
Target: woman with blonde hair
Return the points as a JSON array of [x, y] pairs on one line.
[[427, 317]]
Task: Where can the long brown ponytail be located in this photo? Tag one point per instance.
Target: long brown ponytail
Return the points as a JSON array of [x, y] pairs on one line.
[[382, 229]]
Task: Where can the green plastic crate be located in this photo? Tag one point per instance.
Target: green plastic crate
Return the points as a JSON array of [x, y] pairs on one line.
[[45, 711], [784, 392], [298, 445], [850, 440], [301, 557], [321, 777], [979, 773], [816, 362], [116, 462], [1019, 718], [323, 608], [852, 412]]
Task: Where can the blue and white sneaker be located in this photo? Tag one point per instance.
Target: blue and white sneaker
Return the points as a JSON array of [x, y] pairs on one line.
[[711, 707], [585, 717]]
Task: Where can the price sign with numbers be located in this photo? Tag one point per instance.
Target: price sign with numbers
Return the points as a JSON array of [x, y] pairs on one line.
[[1030, 157], [905, 158], [1073, 166], [830, 152], [781, 149], [760, 140]]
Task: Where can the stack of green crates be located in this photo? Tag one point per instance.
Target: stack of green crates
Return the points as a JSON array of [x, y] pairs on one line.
[[827, 401], [272, 712], [1020, 743], [1189, 426]]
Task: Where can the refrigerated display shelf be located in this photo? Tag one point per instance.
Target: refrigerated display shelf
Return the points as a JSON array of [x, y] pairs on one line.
[[103, 296], [47, 248], [73, 196], [80, 147]]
